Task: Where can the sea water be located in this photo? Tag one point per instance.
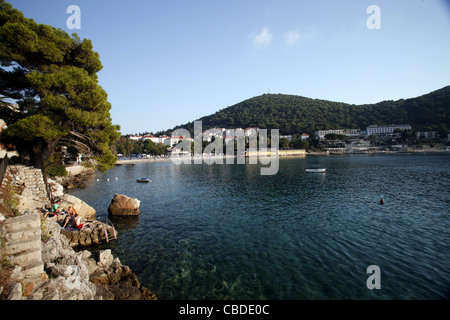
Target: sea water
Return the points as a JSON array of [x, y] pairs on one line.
[[226, 232]]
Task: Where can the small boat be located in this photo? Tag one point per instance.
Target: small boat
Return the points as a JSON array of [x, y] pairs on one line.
[[143, 180], [321, 170]]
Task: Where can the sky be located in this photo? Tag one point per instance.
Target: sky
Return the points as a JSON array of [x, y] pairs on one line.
[[166, 63]]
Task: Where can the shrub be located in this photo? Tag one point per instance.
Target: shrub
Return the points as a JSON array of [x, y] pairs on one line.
[[54, 166]]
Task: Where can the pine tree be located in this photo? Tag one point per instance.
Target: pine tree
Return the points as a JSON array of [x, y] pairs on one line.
[[52, 76]]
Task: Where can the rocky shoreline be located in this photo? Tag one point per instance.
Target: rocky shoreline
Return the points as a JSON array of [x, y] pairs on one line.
[[70, 275], [76, 177], [61, 273]]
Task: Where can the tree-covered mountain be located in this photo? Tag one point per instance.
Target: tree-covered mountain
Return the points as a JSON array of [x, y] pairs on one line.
[[295, 114]]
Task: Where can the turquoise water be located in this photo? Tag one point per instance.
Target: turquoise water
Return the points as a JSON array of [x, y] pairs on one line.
[[226, 232]]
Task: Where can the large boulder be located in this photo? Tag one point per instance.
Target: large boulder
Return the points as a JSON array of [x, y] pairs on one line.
[[56, 189], [122, 205]]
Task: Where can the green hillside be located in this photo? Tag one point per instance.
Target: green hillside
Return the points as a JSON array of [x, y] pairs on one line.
[[295, 114]]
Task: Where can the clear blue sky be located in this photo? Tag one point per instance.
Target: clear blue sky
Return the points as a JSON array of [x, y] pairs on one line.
[[170, 62]]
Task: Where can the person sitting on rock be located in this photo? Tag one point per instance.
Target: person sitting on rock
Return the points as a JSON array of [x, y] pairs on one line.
[[71, 210], [54, 209], [76, 221], [70, 214]]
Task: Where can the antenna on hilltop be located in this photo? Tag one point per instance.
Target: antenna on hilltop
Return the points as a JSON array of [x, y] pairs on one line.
[[269, 90]]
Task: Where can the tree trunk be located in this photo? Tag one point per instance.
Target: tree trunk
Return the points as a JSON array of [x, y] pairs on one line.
[[40, 154]]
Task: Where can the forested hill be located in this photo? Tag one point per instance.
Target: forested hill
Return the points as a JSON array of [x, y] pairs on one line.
[[295, 114]]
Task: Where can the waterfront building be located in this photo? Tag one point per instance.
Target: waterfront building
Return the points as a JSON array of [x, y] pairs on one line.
[[150, 137], [346, 132], [385, 129], [171, 141], [352, 132], [154, 139], [321, 133]]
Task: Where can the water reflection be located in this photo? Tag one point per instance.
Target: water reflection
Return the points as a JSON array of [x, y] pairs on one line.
[[124, 223]]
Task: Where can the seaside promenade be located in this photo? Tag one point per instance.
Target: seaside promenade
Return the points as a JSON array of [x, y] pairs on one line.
[[281, 153]]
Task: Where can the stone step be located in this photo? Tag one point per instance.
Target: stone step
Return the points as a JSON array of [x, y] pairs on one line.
[[24, 222], [24, 234], [32, 175], [28, 257], [23, 243], [38, 192], [13, 247], [32, 178], [33, 269]]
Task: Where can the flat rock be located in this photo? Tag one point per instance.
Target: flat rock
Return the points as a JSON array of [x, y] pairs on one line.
[[82, 208]]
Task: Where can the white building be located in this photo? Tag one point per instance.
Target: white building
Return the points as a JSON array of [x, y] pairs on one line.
[[322, 133], [253, 131], [352, 132], [304, 136], [213, 132], [346, 132], [133, 137], [289, 137], [386, 129], [171, 141], [154, 139]]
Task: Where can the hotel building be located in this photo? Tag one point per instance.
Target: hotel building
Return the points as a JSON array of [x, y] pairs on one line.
[[386, 129]]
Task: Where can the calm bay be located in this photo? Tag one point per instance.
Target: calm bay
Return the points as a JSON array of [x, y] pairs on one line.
[[226, 232]]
